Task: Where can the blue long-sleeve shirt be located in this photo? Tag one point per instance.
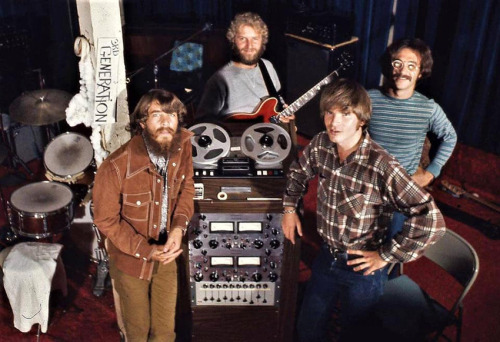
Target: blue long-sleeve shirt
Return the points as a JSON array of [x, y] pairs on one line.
[[400, 126]]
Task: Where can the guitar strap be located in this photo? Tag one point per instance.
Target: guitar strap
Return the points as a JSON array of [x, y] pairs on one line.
[[290, 126], [271, 89]]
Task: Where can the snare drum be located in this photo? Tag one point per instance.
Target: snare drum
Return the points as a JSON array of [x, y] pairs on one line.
[[68, 157], [38, 210]]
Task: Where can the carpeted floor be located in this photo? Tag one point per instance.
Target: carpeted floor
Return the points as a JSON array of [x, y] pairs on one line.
[[84, 317]]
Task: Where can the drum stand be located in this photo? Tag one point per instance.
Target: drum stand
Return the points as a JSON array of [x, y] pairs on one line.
[[13, 158], [10, 237]]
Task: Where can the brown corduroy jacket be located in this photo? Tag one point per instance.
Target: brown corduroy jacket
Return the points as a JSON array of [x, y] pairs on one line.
[[127, 198]]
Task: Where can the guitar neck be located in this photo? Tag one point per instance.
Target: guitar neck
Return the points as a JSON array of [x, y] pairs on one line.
[[301, 101], [483, 201]]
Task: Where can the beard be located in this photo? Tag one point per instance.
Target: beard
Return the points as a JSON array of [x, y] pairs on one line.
[[160, 147], [240, 58]]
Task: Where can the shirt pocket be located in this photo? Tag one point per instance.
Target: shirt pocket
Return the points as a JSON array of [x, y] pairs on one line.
[[357, 204], [136, 206], [177, 185]]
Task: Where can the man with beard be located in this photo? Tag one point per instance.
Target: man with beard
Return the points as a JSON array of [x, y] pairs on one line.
[[143, 198], [239, 86], [402, 116]]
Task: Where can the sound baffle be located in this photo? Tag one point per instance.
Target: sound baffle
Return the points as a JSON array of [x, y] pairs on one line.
[[308, 63]]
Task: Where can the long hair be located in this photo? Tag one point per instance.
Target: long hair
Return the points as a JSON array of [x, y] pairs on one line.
[[168, 101], [415, 44]]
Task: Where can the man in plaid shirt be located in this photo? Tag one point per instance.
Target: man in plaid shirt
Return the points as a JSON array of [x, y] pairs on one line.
[[359, 186]]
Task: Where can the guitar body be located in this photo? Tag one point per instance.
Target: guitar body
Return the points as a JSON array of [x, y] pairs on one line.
[[265, 110]]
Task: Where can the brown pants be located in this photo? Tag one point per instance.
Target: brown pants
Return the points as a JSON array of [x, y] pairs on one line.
[[148, 308]]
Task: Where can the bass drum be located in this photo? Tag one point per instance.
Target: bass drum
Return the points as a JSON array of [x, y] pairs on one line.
[[39, 210], [68, 158]]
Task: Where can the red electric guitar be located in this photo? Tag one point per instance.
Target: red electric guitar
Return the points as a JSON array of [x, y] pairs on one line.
[[267, 108]]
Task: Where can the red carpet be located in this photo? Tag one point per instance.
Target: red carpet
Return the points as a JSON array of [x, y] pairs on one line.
[[84, 317]]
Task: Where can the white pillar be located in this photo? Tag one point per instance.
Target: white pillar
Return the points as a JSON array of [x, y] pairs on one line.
[[101, 19]]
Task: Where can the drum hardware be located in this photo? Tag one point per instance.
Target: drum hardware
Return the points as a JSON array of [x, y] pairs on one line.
[[9, 152], [102, 280], [9, 236]]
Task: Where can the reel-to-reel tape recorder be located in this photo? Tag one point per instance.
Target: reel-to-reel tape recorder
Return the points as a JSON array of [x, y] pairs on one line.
[[259, 152], [238, 256]]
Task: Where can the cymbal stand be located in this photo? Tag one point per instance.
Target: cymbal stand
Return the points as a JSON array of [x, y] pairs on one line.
[[10, 236], [51, 130], [14, 160]]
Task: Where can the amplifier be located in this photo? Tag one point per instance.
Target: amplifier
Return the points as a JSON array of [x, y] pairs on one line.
[[325, 28]]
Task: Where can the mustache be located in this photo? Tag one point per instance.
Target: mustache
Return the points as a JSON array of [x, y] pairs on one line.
[[165, 129], [403, 76]]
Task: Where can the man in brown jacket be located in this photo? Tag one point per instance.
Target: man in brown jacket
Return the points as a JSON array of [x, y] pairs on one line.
[[143, 199]]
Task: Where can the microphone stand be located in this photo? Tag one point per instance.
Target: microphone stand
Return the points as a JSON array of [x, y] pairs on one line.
[[206, 27]]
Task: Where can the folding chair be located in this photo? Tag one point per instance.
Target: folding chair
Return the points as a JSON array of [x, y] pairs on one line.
[[406, 312]]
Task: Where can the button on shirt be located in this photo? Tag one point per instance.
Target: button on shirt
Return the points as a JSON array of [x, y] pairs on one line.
[[355, 199]]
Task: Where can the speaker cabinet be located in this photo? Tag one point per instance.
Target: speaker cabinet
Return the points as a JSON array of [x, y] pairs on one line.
[[307, 64]]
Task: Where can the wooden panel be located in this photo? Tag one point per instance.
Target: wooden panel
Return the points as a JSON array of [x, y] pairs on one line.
[[250, 324]]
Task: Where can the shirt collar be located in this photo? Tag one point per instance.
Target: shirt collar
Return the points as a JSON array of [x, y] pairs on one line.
[[360, 155]]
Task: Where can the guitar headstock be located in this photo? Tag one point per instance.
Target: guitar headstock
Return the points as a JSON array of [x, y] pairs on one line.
[[455, 190]]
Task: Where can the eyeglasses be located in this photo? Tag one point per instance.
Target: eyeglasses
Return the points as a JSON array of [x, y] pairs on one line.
[[399, 65]]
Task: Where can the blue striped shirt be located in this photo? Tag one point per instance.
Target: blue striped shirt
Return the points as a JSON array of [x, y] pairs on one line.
[[400, 126]]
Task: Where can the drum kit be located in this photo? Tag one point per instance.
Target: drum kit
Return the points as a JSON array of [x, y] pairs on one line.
[[40, 210]]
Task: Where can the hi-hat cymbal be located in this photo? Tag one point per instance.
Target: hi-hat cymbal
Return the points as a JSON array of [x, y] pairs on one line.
[[40, 107]]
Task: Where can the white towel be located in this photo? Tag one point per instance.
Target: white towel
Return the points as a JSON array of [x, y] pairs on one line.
[[28, 272]]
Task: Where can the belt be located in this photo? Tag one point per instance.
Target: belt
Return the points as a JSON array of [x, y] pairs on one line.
[[339, 254]]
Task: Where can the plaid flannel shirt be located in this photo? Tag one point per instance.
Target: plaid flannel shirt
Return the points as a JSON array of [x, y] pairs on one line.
[[356, 199]]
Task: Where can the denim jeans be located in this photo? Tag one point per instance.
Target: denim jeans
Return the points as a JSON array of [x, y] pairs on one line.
[[396, 225], [332, 282]]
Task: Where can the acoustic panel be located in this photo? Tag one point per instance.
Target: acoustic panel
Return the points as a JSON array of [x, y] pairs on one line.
[[307, 64]]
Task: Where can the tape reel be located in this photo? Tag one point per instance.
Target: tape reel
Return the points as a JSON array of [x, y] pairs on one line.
[[266, 143], [210, 143]]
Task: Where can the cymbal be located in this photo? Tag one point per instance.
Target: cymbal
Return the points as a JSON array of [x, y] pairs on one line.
[[40, 107]]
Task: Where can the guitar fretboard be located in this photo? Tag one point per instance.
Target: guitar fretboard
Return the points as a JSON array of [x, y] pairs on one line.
[[297, 104], [301, 101]]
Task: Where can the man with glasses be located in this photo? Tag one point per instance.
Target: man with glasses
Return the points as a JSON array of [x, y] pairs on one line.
[[402, 116]]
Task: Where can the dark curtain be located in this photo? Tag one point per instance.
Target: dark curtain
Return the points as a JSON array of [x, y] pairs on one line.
[[463, 34]]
